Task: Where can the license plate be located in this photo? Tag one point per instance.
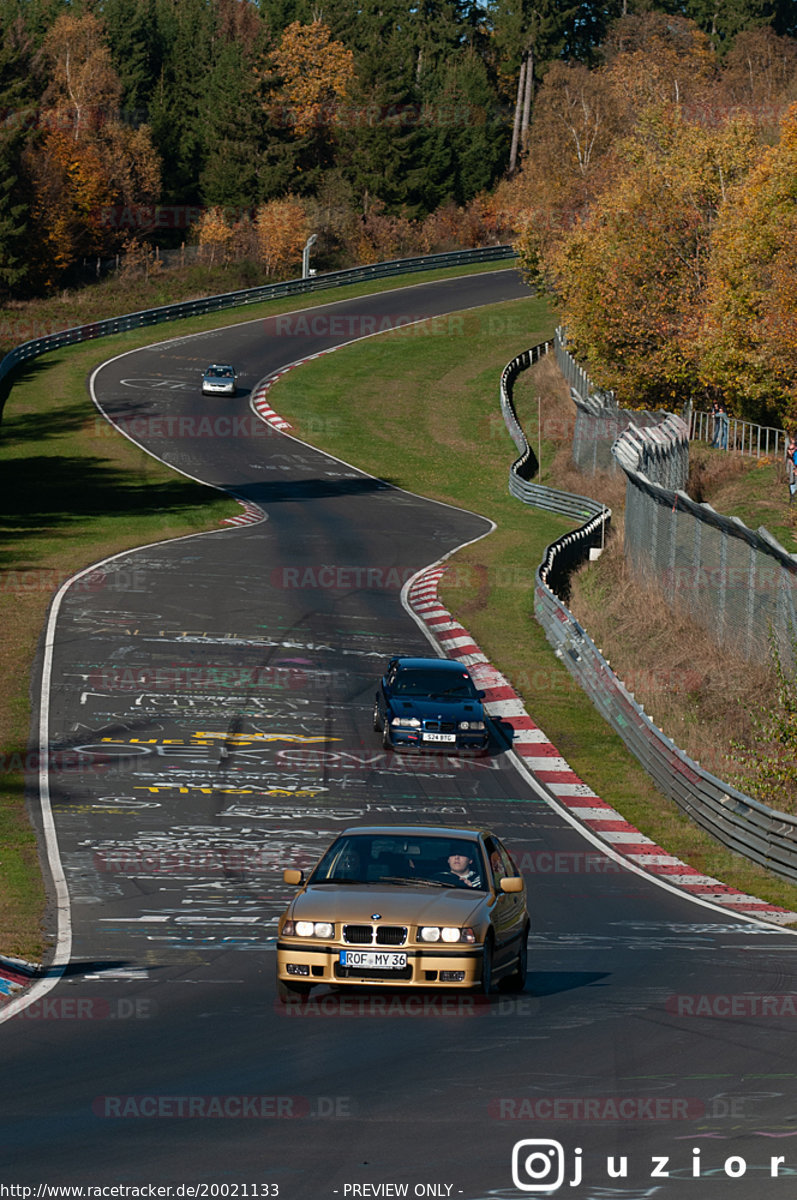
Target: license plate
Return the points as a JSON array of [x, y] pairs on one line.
[[439, 737], [373, 960]]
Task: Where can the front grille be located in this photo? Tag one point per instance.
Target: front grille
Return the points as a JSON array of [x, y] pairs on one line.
[[358, 935], [391, 935], [375, 935], [440, 726]]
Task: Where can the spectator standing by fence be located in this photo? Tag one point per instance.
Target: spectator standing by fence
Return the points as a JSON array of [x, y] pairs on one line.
[[791, 466], [722, 425], [715, 416]]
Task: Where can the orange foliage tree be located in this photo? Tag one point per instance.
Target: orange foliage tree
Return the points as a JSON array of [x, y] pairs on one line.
[[749, 339], [85, 161], [71, 200], [215, 235], [315, 74], [84, 90], [654, 58], [282, 228], [632, 274]]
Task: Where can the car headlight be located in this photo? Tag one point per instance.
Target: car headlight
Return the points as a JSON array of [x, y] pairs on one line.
[[471, 724], [446, 933], [405, 722], [320, 929]]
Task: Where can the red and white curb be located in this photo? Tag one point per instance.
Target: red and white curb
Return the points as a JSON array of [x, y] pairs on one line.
[[15, 975], [261, 404], [251, 515], [542, 758], [259, 399]]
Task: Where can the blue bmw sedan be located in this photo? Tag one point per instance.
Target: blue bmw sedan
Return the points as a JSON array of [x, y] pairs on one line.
[[430, 704]]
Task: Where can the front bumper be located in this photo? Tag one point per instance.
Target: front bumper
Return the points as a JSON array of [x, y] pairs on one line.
[[216, 389], [459, 967], [476, 741]]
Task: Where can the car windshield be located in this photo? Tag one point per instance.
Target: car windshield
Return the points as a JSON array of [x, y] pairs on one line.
[[428, 682], [219, 372], [376, 858]]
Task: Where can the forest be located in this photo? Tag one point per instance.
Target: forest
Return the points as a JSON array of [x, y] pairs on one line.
[[642, 157]]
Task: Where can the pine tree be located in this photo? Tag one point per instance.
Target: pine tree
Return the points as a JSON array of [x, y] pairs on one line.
[[179, 105], [14, 203]]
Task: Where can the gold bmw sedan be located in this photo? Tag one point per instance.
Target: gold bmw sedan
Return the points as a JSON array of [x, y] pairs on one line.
[[406, 906]]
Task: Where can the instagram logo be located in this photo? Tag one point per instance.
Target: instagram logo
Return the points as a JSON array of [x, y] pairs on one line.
[[538, 1165]]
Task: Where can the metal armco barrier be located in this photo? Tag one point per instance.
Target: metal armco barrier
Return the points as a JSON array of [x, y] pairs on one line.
[[736, 820], [525, 468], [268, 291], [661, 453]]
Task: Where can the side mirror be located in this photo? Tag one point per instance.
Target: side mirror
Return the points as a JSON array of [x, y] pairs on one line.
[[481, 694], [293, 877], [511, 883]]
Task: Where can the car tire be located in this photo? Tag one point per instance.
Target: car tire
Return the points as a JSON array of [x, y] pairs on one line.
[[288, 989], [486, 981], [516, 982], [377, 719], [386, 742]]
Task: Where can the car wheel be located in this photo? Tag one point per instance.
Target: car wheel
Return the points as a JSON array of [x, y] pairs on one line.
[[386, 742], [377, 720], [288, 989], [517, 980], [486, 984]]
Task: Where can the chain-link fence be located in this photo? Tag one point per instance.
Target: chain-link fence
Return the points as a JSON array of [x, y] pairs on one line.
[[740, 584], [736, 582]]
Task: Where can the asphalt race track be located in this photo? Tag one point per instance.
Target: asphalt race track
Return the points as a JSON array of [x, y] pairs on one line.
[[208, 712]]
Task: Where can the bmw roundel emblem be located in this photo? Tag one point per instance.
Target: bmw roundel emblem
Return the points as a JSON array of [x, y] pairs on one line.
[[376, 916]]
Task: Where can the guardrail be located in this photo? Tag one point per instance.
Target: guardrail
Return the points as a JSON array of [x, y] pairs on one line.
[[525, 467], [661, 453], [736, 820], [269, 291]]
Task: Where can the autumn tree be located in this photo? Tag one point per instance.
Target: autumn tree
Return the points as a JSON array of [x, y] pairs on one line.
[[654, 58], [71, 202], [315, 73], [85, 160], [575, 127], [632, 274], [748, 343], [282, 230], [214, 234], [84, 90], [759, 73]]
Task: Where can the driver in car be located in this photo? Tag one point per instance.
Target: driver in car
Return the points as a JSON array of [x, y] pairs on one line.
[[461, 871]]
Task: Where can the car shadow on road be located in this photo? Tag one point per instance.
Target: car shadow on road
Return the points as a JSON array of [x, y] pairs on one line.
[[553, 983]]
